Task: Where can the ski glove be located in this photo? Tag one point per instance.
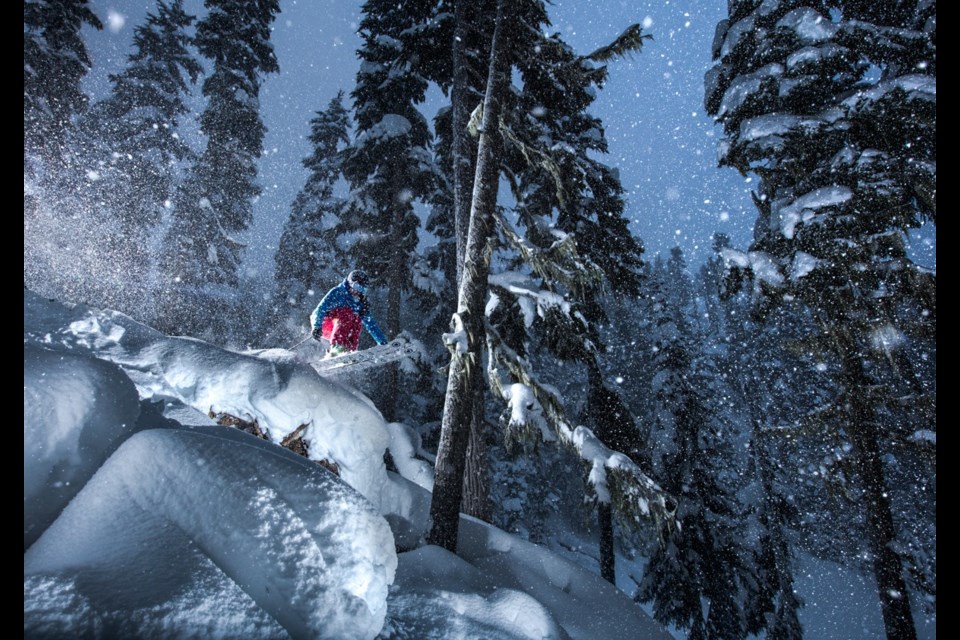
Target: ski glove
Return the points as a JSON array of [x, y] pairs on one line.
[[317, 334]]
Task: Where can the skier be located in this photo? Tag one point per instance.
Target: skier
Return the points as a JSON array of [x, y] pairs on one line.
[[339, 316]]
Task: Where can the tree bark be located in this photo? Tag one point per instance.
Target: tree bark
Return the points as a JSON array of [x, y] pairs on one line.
[[782, 601], [459, 407], [476, 485], [463, 149]]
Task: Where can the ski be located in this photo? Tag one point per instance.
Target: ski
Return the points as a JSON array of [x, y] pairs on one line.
[[366, 359]]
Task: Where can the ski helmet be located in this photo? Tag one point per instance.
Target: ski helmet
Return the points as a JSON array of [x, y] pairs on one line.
[[357, 280]]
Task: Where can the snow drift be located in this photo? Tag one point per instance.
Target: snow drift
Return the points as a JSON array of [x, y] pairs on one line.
[[76, 411], [307, 549], [280, 392]]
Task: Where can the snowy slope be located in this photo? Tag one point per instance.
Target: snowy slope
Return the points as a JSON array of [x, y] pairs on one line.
[[210, 532], [439, 595], [583, 603]]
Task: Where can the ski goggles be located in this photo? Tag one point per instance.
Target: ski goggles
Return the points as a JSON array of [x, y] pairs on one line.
[[361, 288]]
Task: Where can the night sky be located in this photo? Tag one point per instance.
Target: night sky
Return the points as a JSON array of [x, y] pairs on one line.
[[659, 136]]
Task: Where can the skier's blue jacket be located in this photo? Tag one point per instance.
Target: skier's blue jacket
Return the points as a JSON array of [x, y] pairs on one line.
[[340, 297]]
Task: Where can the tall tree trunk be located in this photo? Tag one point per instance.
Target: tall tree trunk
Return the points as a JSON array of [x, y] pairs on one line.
[[458, 406], [464, 98], [464, 150], [608, 433], [388, 404], [881, 533], [782, 601]]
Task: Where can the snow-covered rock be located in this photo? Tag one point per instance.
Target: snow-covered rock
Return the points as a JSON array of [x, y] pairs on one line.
[[76, 412], [182, 515]]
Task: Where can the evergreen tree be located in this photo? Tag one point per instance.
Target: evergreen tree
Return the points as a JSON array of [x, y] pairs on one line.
[[390, 165], [767, 388], [214, 205], [567, 196], [308, 255], [466, 340], [528, 151], [833, 105], [55, 60], [468, 30], [700, 560], [138, 124], [60, 241], [554, 284], [554, 143], [137, 149]]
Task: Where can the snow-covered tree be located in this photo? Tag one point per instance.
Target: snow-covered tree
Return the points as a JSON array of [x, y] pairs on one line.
[[55, 60], [554, 268], [833, 106], [137, 125], [214, 204], [308, 257], [767, 384], [134, 151], [465, 341], [470, 39], [692, 456], [571, 207], [390, 164]]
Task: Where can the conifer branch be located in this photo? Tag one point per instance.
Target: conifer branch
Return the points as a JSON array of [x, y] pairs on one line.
[[630, 41]]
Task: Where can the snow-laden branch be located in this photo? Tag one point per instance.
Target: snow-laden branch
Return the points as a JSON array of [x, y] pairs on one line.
[[613, 476], [558, 263], [456, 340]]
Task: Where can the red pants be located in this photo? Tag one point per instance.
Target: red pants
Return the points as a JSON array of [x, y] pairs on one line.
[[342, 327]]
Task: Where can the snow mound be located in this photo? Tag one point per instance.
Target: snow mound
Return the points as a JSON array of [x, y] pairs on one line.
[[439, 595], [212, 606], [173, 509], [277, 390], [405, 446], [76, 412], [585, 605]]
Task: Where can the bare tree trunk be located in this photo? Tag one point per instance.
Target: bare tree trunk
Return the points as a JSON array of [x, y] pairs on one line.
[[464, 150], [464, 97], [782, 601], [458, 406], [613, 423], [887, 566]]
